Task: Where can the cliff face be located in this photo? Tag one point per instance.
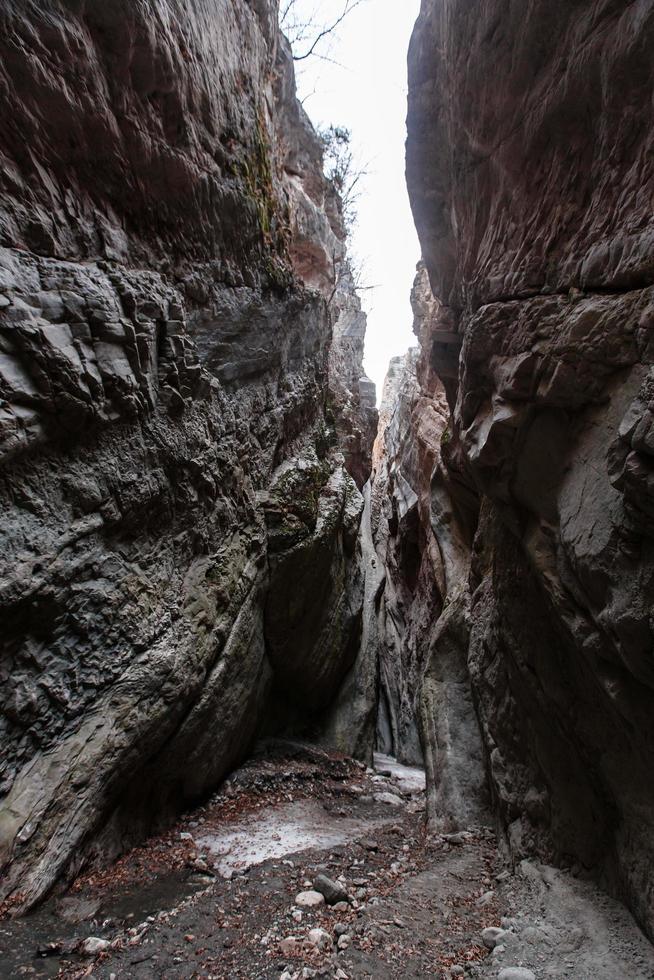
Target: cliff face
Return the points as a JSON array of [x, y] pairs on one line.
[[532, 198], [354, 399], [170, 473], [421, 541]]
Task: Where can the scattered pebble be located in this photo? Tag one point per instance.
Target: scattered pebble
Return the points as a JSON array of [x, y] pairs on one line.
[[341, 907], [92, 946]]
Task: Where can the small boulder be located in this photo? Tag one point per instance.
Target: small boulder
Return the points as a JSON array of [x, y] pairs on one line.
[[320, 938], [310, 899], [516, 973], [333, 891]]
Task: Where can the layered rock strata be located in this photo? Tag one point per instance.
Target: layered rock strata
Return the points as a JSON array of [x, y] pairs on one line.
[[176, 511], [532, 199]]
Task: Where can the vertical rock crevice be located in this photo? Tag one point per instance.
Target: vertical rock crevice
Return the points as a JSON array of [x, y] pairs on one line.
[[422, 538]]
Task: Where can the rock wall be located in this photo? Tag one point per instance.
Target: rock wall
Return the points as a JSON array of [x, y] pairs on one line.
[[354, 398], [175, 511], [532, 199], [426, 713]]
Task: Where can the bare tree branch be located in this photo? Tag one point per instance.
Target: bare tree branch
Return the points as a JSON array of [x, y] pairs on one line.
[[310, 30]]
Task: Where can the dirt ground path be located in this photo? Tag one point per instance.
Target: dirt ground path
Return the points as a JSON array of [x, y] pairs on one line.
[[221, 895]]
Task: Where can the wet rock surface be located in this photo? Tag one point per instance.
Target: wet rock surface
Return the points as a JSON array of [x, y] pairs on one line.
[[530, 202]]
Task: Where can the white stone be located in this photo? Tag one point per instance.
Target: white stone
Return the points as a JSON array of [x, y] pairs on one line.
[[309, 899], [320, 938], [92, 946]]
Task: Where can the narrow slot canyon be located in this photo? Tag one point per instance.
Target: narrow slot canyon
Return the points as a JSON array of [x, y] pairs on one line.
[[294, 682]]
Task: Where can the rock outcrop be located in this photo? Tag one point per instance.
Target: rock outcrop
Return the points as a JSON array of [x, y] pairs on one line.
[[532, 199], [178, 526]]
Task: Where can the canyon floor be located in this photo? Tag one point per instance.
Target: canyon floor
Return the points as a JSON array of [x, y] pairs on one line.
[[220, 895]]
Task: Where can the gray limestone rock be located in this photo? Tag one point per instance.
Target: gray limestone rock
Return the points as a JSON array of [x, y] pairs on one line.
[[166, 356], [333, 891], [531, 207]]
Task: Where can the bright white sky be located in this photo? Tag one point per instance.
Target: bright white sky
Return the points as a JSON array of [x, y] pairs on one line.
[[366, 92]]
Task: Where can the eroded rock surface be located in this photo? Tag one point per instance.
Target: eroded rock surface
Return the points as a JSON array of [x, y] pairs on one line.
[[532, 200], [171, 474]]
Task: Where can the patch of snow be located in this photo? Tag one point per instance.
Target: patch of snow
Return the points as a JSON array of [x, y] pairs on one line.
[[410, 779], [278, 832]]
